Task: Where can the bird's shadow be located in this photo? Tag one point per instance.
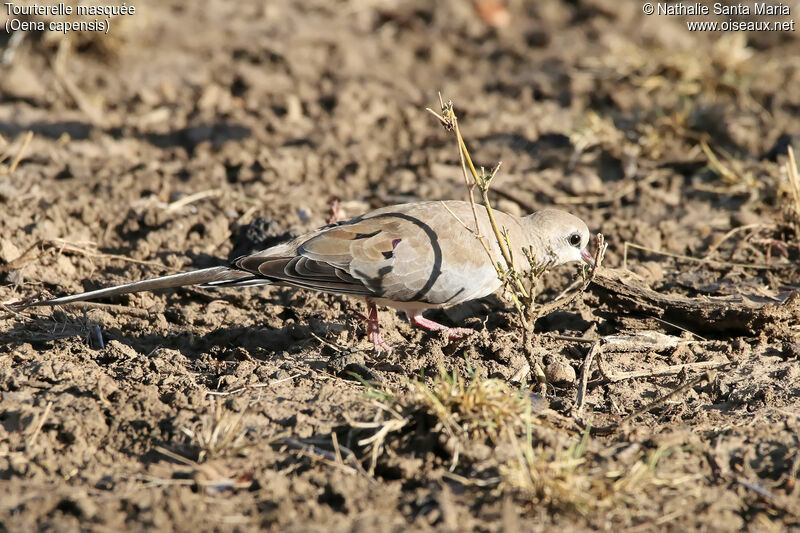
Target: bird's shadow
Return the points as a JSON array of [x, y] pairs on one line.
[[308, 340], [42, 333]]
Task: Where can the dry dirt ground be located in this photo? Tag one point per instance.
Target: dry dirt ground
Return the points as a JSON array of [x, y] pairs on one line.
[[196, 129]]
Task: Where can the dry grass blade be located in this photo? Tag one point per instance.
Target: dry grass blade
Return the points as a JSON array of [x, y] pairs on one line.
[[731, 171], [707, 377], [40, 423], [221, 434], [530, 463], [62, 74], [191, 198], [705, 260], [476, 408], [567, 478], [84, 248], [347, 462], [18, 157], [376, 444], [547, 476], [794, 184]]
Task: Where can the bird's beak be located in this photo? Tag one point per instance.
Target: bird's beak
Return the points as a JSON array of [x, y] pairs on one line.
[[587, 257]]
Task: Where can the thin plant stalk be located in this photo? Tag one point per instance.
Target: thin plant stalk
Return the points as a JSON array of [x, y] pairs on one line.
[[509, 274]]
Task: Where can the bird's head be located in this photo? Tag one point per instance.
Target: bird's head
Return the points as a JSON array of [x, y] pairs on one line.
[[562, 237]]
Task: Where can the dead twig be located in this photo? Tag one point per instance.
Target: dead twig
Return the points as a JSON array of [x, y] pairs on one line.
[[585, 371], [621, 191], [599, 254], [82, 248], [635, 343], [253, 386], [191, 198], [669, 371], [706, 376], [628, 295], [570, 338], [794, 185], [450, 122], [334, 459], [713, 248], [39, 424], [704, 260], [467, 482]]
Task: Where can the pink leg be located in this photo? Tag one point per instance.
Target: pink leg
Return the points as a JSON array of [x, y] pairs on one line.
[[374, 330], [429, 325]]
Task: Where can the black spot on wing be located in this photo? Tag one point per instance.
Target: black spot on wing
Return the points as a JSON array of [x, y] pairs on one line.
[[390, 254]]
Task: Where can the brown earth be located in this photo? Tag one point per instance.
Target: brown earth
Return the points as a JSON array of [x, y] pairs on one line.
[[267, 111]]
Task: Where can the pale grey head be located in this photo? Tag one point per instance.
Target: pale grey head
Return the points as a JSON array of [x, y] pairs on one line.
[[560, 237]]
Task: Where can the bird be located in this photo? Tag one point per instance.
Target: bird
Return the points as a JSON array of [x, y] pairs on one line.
[[410, 257]]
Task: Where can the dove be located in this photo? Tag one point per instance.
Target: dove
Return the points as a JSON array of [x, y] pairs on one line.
[[411, 257]]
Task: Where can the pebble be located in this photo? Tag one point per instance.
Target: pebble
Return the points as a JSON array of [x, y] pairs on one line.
[[559, 373], [8, 251]]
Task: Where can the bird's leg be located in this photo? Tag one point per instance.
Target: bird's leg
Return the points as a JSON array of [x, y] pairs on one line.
[[373, 328], [429, 325]]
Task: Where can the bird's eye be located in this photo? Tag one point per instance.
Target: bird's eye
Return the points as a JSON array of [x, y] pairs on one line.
[[575, 240]]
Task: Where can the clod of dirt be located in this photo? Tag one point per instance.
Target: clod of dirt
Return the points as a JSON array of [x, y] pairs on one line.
[[8, 251], [351, 366], [560, 373], [260, 234]]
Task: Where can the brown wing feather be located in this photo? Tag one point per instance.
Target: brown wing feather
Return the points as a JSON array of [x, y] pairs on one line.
[[323, 262], [400, 253]]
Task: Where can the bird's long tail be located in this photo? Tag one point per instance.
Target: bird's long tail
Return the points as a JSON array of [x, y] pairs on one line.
[[214, 276]]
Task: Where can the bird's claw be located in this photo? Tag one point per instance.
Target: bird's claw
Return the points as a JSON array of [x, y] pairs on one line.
[[455, 334], [377, 340]]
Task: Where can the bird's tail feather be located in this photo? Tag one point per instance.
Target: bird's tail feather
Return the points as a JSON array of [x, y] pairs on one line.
[[208, 276]]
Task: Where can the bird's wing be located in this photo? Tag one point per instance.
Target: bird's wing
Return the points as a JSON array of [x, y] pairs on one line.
[[329, 259], [412, 253]]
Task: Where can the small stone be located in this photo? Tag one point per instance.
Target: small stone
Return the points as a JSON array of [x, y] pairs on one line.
[[23, 83], [585, 184], [560, 373], [650, 271], [744, 218], [8, 251]]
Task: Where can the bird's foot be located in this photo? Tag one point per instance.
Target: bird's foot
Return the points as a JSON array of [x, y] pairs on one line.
[[374, 329], [377, 340], [427, 324]]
